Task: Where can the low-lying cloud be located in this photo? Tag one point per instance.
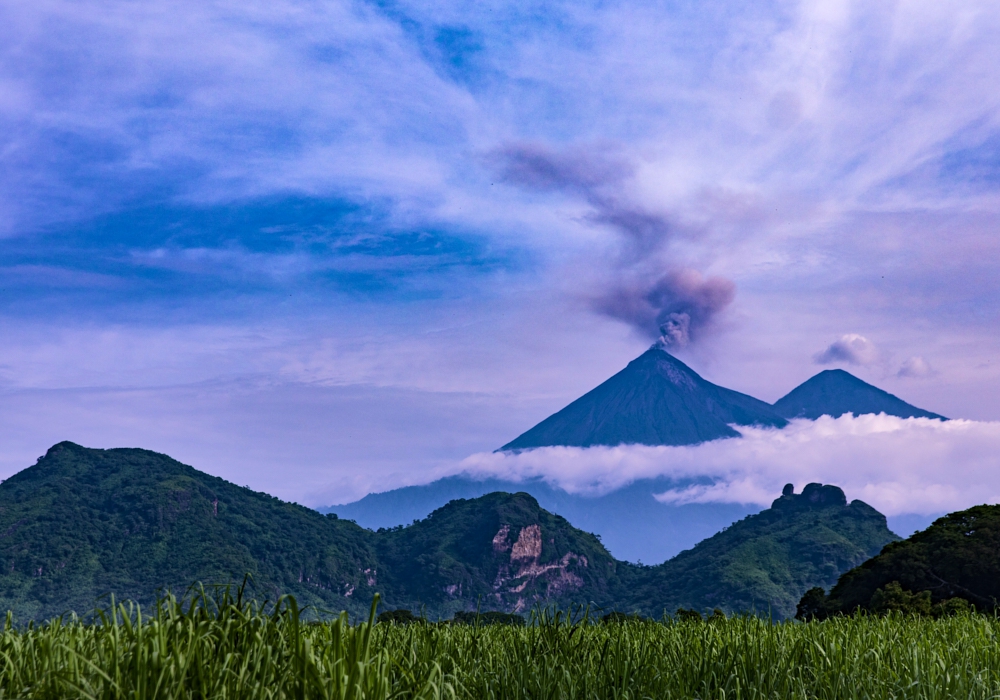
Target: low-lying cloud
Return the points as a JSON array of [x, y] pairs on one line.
[[914, 368], [897, 465]]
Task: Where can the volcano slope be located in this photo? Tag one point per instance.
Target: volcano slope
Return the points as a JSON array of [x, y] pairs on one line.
[[834, 392], [655, 400]]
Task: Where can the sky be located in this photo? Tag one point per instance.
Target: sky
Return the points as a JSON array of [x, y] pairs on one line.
[[328, 248]]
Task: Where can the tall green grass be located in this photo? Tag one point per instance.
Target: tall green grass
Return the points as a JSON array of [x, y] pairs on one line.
[[218, 646]]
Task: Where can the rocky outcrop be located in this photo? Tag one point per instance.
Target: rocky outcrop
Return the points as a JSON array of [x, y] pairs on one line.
[[523, 574]]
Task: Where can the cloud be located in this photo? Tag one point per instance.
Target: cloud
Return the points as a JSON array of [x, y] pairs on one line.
[[851, 348], [914, 367], [897, 465]]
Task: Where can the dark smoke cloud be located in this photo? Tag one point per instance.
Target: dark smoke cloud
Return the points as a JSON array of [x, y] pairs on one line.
[[534, 166], [659, 299], [674, 307]]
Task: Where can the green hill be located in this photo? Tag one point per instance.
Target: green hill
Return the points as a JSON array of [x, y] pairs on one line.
[[502, 551], [82, 523], [768, 560], [958, 556]]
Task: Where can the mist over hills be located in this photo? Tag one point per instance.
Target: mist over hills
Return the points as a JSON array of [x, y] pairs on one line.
[[84, 523], [655, 400], [633, 525]]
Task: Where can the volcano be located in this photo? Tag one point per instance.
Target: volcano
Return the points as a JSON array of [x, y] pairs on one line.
[[655, 400], [834, 392]]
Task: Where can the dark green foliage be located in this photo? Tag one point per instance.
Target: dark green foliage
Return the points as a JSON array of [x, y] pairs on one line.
[[834, 392], [655, 400], [501, 549], [492, 617], [399, 617], [617, 618], [686, 615], [958, 556], [812, 606], [892, 598], [768, 560], [82, 523]]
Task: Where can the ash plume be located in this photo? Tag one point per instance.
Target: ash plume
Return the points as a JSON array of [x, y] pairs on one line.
[[536, 167], [654, 295], [674, 307]]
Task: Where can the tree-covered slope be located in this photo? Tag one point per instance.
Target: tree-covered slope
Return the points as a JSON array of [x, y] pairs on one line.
[[82, 523], [958, 556], [834, 392], [499, 551], [655, 400], [768, 560]]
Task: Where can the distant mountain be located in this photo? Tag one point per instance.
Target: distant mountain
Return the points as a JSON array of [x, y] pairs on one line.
[[958, 556], [834, 392], [769, 560], [655, 400]]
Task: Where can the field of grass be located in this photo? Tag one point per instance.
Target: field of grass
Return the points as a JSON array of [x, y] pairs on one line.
[[217, 646]]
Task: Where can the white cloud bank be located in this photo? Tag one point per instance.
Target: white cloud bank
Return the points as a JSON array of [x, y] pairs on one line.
[[913, 465]]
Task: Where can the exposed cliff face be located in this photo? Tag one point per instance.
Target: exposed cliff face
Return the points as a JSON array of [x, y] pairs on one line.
[[525, 576], [501, 550]]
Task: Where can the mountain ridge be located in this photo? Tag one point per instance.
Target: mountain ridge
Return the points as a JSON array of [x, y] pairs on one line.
[[761, 561], [82, 523]]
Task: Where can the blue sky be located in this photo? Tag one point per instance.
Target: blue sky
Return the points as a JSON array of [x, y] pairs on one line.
[[327, 247]]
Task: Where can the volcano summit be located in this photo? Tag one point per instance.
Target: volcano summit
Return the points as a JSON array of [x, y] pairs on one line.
[[659, 400], [655, 400]]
